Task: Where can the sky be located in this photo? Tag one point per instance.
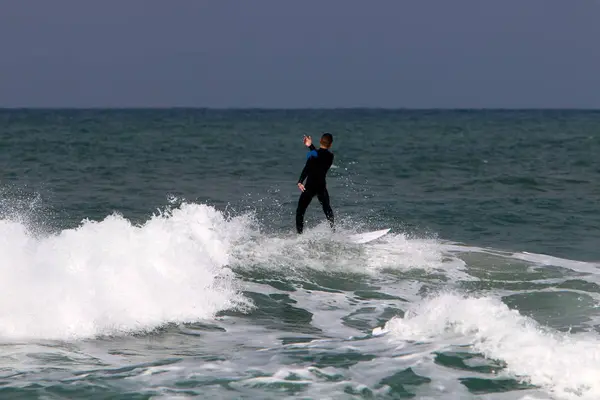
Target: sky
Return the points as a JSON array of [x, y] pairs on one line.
[[300, 54]]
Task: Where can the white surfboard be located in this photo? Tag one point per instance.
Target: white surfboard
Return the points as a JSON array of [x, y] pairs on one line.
[[368, 236]]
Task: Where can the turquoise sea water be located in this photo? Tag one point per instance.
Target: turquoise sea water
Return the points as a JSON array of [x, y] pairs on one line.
[[152, 253]]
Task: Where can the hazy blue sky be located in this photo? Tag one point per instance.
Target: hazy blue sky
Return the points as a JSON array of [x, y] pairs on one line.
[[275, 53]]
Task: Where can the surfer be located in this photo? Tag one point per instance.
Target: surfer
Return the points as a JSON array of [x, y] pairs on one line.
[[318, 162]]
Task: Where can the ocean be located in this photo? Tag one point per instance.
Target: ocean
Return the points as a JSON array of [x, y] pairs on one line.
[[152, 253]]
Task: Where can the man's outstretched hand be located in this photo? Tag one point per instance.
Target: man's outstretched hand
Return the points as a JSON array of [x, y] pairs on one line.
[[301, 187], [307, 141]]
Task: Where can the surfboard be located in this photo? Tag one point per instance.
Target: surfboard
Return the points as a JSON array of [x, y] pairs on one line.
[[368, 236]]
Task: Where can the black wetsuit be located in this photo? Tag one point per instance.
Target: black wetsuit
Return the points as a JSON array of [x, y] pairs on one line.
[[317, 165]]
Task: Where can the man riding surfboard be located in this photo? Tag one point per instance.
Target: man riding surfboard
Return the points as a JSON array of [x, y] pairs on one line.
[[318, 162]]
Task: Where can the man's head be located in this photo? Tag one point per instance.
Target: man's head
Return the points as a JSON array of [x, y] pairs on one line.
[[326, 140]]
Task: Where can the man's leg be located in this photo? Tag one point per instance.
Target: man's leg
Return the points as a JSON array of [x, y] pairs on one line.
[[303, 203], [323, 197]]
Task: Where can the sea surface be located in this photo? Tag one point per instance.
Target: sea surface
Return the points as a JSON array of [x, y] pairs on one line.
[[153, 254]]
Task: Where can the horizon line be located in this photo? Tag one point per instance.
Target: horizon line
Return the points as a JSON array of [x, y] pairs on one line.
[[357, 108]]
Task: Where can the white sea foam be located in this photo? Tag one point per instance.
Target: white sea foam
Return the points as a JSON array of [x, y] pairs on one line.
[[567, 366], [544, 259], [399, 251], [319, 249], [110, 276], [535, 259]]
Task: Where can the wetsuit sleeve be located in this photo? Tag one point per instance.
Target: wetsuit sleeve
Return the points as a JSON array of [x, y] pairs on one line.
[[311, 154], [304, 173]]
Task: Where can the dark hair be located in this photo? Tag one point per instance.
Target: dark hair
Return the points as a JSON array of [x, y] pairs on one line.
[[327, 139]]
